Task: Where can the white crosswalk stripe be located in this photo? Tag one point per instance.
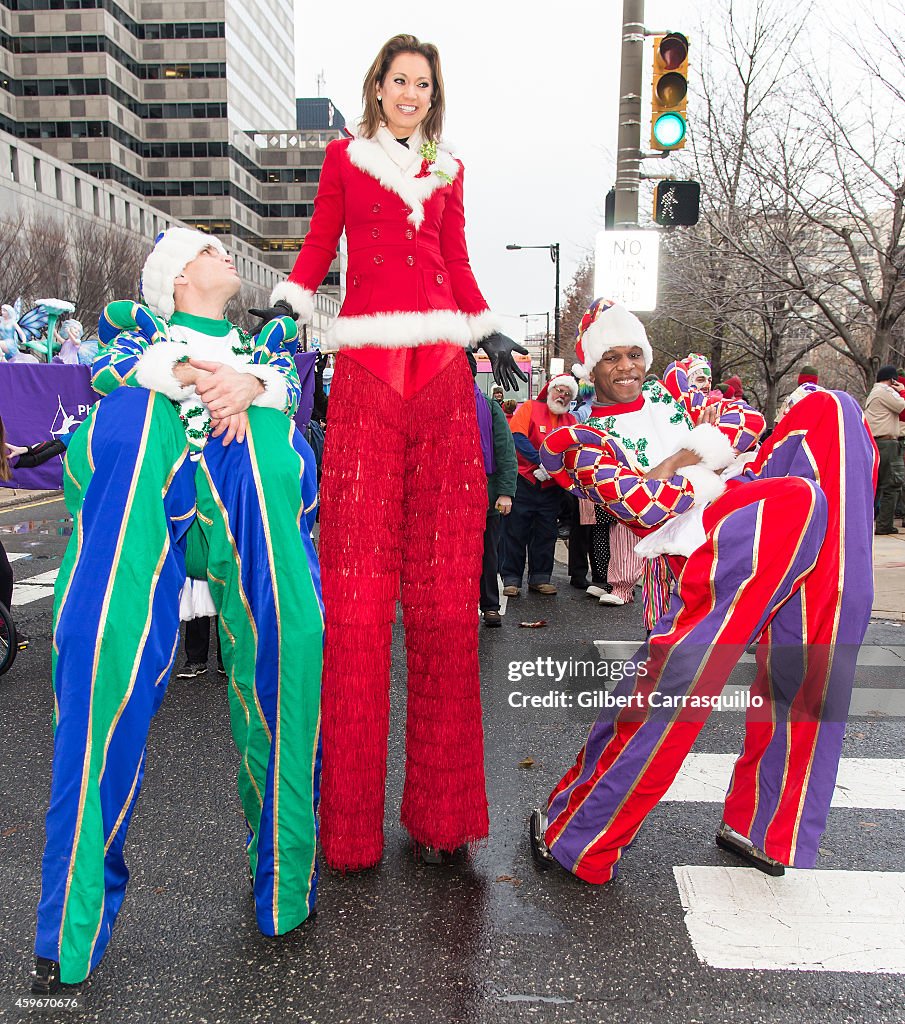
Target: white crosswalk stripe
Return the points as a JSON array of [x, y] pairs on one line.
[[741, 919], [738, 918], [34, 588], [877, 783]]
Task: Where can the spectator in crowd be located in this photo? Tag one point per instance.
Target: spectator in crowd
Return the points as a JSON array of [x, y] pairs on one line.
[[197, 647], [881, 410], [581, 525], [498, 451], [509, 407], [532, 525], [700, 375], [738, 392], [497, 395], [808, 375]]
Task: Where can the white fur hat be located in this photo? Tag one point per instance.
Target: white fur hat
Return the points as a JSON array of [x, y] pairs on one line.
[[607, 325], [173, 250], [564, 379]]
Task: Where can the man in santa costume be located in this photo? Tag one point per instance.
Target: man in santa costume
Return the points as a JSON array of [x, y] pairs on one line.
[[189, 466], [532, 525], [774, 553]]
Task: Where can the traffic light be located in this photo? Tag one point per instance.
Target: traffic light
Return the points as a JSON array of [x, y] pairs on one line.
[[677, 203], [669, 88]]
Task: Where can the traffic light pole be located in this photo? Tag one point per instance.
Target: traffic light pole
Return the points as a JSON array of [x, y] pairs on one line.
[[628, 157]]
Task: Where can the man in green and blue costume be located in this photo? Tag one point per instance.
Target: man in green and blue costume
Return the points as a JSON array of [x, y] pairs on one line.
[[189, 467]]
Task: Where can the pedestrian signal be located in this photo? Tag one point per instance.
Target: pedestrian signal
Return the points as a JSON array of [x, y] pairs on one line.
[[677, 203]]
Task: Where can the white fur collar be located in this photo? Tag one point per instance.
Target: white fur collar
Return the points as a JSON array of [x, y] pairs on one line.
[[395, 167]]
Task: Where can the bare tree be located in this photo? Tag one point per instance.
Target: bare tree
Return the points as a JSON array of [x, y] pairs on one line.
[[826, 188], [19, 269], [578, 296], [87, 262], [47, 241], [844, 175], [250, 297], [716, 288]]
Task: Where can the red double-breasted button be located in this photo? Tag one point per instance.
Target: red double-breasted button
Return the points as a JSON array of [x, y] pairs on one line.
[[410, 260], [375, 232], [410, 234], [375, 208], [378, 259], [439, 279]]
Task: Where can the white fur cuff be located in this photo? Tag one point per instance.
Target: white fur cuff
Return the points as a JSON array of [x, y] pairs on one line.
[[276, 394], [401, 330], [680, 536], [706, 484], [300, 299], [482, 325], [155, 369], [713, 447]]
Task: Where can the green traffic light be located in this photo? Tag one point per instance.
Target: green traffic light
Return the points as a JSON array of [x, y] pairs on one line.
[[669, 130]]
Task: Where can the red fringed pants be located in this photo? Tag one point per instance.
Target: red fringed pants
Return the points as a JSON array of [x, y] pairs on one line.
[[403, 498]]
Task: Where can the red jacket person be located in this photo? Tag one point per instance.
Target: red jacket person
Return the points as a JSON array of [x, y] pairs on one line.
[[403, 497]]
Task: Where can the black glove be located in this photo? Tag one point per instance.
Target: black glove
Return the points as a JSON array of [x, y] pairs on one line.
[[273, 312], [499, 351]]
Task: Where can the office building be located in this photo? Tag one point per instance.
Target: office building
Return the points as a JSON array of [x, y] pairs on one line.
[[188, 106]]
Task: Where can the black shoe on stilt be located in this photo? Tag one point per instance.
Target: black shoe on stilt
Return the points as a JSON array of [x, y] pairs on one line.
[[432, 856], [540, 852], [45, 978], [734, 842], [435, 856]]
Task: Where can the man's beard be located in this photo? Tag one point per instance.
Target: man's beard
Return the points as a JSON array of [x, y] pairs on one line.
[[558, 406]]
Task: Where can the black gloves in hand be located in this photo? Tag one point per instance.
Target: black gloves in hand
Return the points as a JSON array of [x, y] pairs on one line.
[[499, 351], [274, 312]]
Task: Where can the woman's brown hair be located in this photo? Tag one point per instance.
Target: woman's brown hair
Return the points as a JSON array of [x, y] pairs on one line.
[[5, 469], [372, 118]]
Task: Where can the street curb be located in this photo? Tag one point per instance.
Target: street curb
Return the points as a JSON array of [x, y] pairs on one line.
[[20, 497]]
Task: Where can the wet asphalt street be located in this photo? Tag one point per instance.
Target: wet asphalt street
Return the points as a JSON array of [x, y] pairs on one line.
[[485, 939]]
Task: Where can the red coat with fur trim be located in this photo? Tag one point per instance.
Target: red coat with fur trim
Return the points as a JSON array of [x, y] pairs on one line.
[[408, 281]]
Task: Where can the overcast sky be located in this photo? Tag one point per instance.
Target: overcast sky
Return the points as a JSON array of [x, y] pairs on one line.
[[532, 103]]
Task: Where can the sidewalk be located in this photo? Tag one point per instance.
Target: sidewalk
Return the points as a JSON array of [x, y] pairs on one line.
[[10, 497], [889, 577]]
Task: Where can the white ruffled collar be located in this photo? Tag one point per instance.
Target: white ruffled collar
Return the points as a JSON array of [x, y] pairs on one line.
[[396, 167]]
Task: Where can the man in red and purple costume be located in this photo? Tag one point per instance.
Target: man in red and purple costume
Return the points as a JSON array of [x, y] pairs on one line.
[[770, 549]]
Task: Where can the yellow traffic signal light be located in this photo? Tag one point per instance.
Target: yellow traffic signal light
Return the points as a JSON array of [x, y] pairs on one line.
[[669, 89]]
